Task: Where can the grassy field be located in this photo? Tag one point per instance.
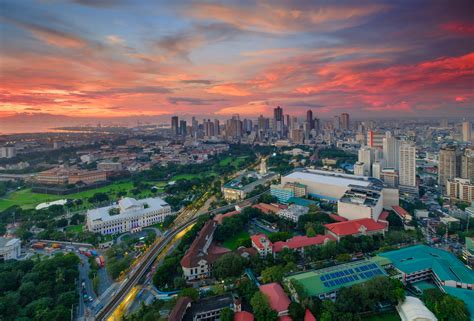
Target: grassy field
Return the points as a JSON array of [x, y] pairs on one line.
[[27, 199], [232, 161], [232, 243], [393, 316], [74, 228]]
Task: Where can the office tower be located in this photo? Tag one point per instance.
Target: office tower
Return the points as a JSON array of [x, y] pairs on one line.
[[376, 170], [288, 122], [374, 139], [317, 125], [217, 127], [466, 131], [366, 156], [309, 119], [182, 128], [175, 125], [337, 123], [209, 129], [467, 164], [443, 123], [359, 169], [345, 121], [194, 126], [247, 125], [407, 175], [449, 165], [278, 119], [234, 128], [391, 147]]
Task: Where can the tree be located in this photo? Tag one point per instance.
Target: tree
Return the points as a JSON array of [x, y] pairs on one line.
[[296, 311], [191, 293], [445, 306], [272, 274], [261, 308], [226, 315], [229, 265]]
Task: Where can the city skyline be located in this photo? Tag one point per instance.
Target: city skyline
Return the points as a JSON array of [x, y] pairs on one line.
[[116, 59]]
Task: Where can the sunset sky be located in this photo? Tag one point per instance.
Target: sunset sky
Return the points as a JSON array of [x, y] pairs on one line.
[[115, 58]]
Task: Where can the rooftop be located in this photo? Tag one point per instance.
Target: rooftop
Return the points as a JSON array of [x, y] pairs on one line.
[[297, 242], [129, 207], [414, 309], [4, 241], [209, 304], [330, 279], [466, 295], [278, 299], [361, 197], [354, 226], [420, 257], [328, 178]]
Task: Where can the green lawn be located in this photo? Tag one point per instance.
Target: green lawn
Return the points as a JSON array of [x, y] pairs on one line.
[[74, 228], [234, 161], [190, 176], [392, 316], [232, 243]]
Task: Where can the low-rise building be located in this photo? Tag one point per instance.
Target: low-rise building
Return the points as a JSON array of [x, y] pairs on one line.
[[284, 192], [460, 189], [262, 244], [239, 187], [468, 251], [64, 175], [127, 215], [293, 212], [364, 226], [277, 298], [198, 260], [413, 309], [207, 309], [299, 243], [359, 203], [10, 248]]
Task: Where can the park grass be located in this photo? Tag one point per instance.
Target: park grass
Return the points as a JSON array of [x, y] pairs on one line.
[[232, 243], [232, 161], [74, 228], [391, 316]]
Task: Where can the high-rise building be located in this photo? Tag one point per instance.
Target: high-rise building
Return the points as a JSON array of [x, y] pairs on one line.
[[317, 125], [309, 119], [337, 122], [390, 177], [183, 128], [467, 164], [407, 176], [194, 126], [234, 127], [391, 147], [359, 169], [247, 125], [449, 165], [175, 125], [376, 170], [366, 157], [278, 118], [375, 139], [466, 131], [217, 127], [7, 152], [209, 129], [345, 121]]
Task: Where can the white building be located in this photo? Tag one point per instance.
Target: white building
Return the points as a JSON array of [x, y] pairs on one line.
[[359, 169], [7, 152], [407, 175], [413, 309], [367, 157], [127, 215], [391, 146], [360, 203], [10, 248], [376, 170]]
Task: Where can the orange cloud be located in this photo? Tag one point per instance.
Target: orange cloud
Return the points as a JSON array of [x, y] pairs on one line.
[[228, 89]]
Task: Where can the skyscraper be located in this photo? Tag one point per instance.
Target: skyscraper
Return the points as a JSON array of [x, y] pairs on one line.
[[466, 131], [183, 128], [407, 175], [467, 164], [278, 118], [309, 119], [175, 125], [366, 157], [345, 121], [375, 139], [449, 165], [217, 129], [391, 147], [337, 122]]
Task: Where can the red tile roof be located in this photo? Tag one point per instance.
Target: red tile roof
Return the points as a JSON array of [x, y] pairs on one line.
[[308, 316], [277, 298], [400, 211], [243, 316], [337, 218], [353, 227], [179, 309], [298, 242], [383, 216], [220, 217], [196, 251], [267, 208], [256, 240]]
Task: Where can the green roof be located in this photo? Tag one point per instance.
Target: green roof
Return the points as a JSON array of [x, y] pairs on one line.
[[424, 285], [463, 294], [301, 201], [421, 257], [330, 279]]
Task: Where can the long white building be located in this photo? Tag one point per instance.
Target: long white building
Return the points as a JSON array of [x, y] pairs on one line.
[[128, 214]]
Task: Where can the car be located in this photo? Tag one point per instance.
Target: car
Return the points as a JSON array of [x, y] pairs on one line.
[[90, 299]]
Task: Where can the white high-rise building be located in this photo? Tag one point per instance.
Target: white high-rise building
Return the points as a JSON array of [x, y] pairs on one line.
[[466, 131], [376, 170], [366, 156], [359, 169], [407, 165], [391, 147], [7, 152]]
